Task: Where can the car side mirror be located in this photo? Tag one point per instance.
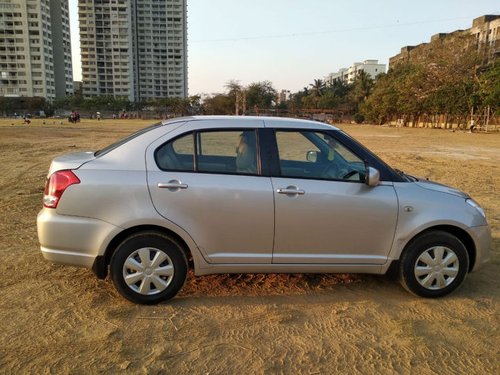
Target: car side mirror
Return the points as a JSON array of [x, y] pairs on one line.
[[372, 176], [312, 156]]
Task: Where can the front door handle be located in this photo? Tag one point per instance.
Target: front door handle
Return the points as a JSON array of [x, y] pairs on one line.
[[290, 190], [172, 184]]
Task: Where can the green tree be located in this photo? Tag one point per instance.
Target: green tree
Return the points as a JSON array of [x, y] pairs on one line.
[[218, 104], [261, 95], [328, 100], [361, 87], [317, 87], [21, 105], [237, 94], [489, 88], [381, 105], [338, 88], [296, 99], [442, 81]]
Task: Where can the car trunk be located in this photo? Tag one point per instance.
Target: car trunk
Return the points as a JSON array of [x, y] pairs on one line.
[[70, 161]]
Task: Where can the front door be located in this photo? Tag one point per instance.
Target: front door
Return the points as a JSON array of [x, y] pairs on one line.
[[325, 213]]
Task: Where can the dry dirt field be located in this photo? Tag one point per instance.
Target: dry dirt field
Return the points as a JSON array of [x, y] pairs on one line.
[[57, 319]]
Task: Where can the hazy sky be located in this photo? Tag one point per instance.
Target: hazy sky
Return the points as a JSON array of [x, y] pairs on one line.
[[292, 42]]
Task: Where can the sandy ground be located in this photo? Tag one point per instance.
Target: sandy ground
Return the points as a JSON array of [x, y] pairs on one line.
[[58, 319]]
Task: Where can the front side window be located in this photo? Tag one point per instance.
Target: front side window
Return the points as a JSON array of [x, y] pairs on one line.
[[309, 154], [228, 152]]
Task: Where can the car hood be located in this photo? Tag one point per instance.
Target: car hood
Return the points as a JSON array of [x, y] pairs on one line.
[[435, 186], [71, 161]]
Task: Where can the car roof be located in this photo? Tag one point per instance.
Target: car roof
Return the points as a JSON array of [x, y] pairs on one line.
[[276, 122]]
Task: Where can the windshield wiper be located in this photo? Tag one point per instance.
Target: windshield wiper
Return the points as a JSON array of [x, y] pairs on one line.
[[411, 178]]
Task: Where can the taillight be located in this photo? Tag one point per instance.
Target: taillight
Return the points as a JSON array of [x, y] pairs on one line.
[[55, 186]]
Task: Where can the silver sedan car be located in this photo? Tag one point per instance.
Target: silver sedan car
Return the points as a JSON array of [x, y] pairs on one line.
[[253, 194]]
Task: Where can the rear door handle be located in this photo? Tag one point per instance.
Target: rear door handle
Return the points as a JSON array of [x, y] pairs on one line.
[[172, 184], [290, 190]]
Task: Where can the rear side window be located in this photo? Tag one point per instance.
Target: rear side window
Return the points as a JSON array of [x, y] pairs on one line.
[[177, 155], [226, 152]]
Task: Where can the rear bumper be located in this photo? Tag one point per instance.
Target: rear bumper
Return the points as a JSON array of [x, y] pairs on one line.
[[73, 240], [482, 239], [68, 257]]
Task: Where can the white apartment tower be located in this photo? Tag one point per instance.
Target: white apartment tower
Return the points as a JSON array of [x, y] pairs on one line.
[[35, 49], [348, 75], [134, 48]]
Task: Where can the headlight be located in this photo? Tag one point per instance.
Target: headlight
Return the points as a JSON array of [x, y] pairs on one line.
[[474, 204]]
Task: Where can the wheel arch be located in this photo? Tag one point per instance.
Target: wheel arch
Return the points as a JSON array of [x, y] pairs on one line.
[[101, 264], [460, 233]]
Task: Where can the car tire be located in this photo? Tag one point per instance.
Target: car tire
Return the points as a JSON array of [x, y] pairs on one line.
[[434, 264], [149, 267]]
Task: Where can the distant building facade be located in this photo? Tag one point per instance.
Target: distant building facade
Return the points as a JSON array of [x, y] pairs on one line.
[[77, 85], [134, 48], [342, 75], [484, 32], [348, 75], [283, 96], [35, 49]]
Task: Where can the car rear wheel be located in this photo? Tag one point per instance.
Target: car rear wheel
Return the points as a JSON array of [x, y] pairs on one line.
[[434, 264], [148, 268]]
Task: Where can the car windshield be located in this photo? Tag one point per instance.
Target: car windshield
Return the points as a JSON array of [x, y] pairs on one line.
[[122, 141]]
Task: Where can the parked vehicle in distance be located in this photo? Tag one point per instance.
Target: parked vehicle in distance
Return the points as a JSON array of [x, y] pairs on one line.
[[253, 195]]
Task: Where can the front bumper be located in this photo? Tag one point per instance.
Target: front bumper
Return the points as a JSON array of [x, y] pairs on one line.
[[72, 240]]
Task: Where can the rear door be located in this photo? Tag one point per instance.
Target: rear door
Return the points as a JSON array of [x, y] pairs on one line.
[[196, 181]]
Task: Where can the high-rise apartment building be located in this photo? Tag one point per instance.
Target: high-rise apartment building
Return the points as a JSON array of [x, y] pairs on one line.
[[35, 48], [134, 48]]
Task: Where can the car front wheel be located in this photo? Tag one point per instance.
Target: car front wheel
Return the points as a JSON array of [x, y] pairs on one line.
[[148, 268], [434, 264]]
